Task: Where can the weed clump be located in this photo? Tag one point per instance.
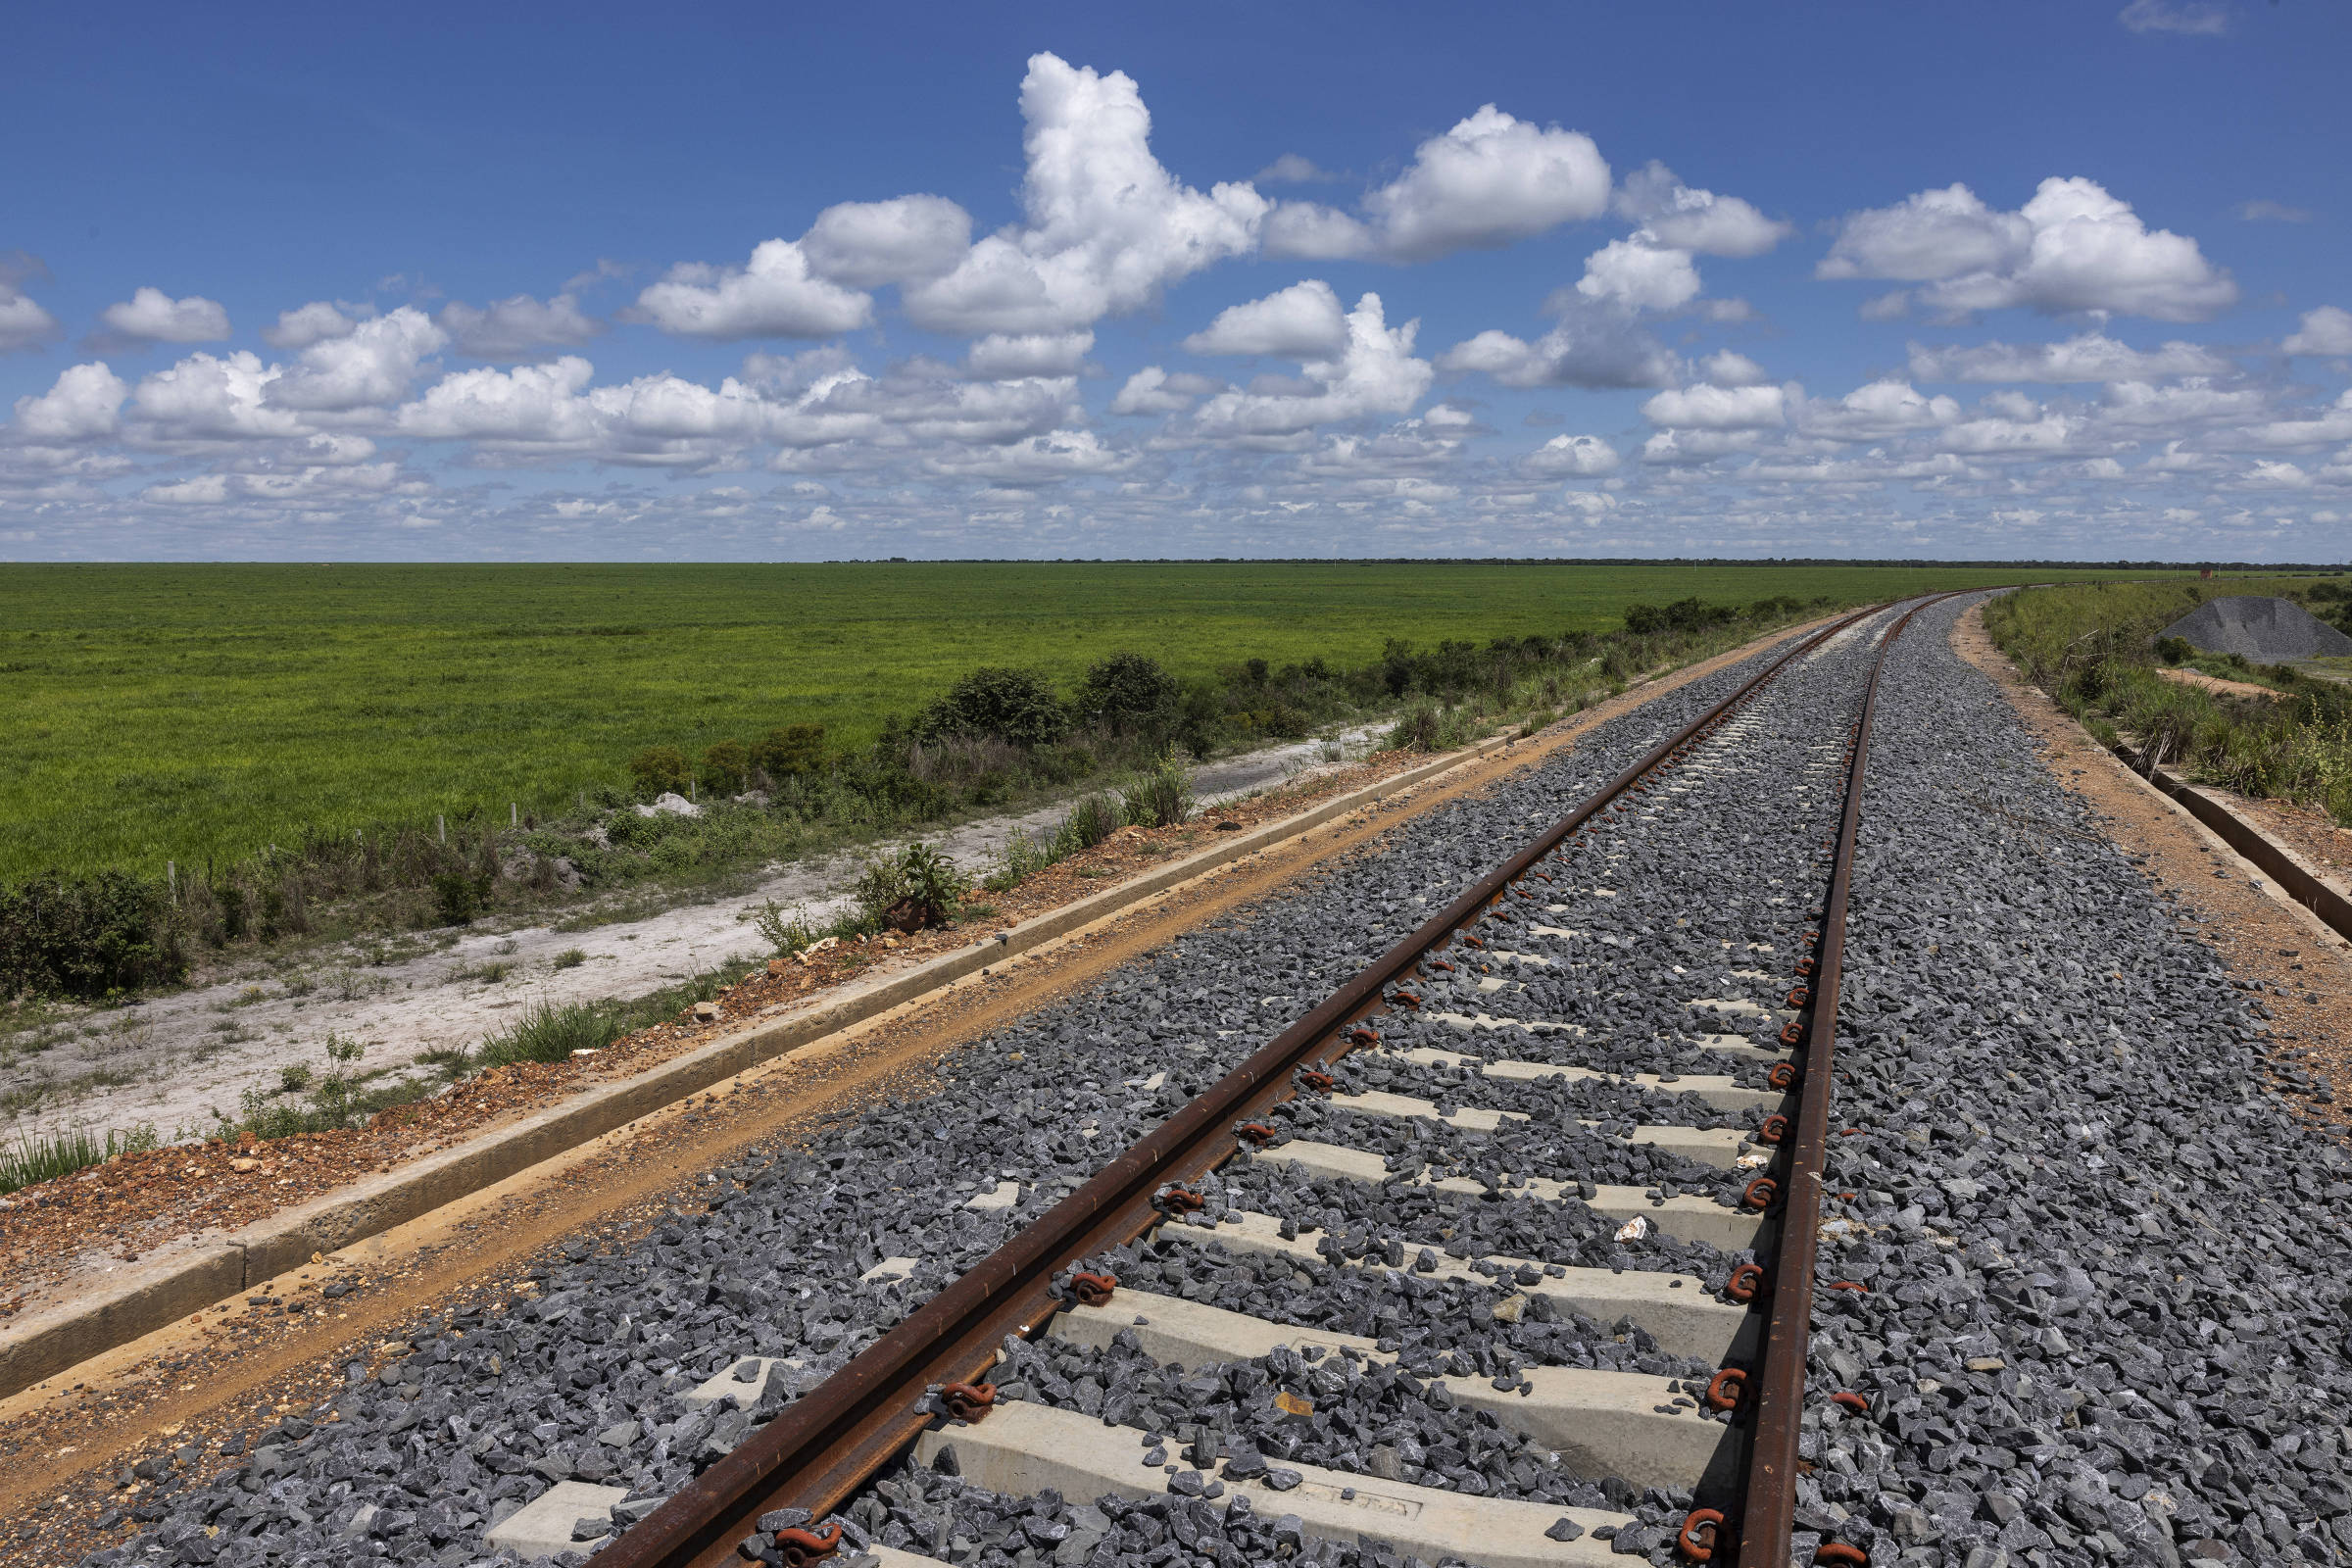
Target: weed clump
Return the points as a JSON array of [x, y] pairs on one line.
[[50, 1156], [1161, 796]]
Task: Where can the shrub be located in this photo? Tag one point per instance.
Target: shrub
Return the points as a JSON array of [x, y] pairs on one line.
[[2174, 650], [1161, 796], [658, 769], [1013, 705], [795, 750], [1129, 694], [726, 768], [458, 898], [1645, 621], [917, 890], [86, 937], [568, 958]]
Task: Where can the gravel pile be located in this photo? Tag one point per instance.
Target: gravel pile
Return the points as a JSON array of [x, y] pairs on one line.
[[584, 1383], [2108, 1273], [2263, 629]]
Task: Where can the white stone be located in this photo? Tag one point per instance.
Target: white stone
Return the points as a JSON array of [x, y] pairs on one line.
[[996, 1199]]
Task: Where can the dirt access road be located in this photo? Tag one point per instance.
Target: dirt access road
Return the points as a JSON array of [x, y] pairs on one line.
[[182, 1059]]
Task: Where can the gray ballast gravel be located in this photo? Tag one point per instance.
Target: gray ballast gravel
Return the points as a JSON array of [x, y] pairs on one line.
[[2108, 1273], [588, 1382]]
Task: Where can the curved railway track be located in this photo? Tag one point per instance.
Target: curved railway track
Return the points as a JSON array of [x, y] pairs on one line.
[[1729, 1442]]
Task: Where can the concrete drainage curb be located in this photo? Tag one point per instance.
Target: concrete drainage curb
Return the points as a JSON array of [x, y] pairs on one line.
[[107, 1316]]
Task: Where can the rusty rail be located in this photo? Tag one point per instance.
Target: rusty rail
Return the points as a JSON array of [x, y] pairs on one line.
[[821, 1447], [1768, 1499]]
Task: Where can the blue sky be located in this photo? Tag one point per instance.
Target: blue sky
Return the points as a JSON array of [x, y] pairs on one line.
[[2065, 281]]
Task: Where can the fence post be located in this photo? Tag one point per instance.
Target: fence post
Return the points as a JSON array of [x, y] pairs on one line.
[[441, 826], [514, 814], [172, 876]]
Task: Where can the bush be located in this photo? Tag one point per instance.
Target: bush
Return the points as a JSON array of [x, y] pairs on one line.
[[795, 751], [458, 898], [1161, 798], [726, 768], [657, 771], [1094, 819], [1129, 694], [1013, 705], [1428, 727], [918, 890], [86, 937], [2174, 650]]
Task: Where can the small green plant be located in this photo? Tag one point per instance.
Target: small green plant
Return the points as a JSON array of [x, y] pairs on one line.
[[568, 958], [294, 1077], [1161, 796], [2174, 650], [786, 933], [1092, 819], [49, 1155], [1022, 857]]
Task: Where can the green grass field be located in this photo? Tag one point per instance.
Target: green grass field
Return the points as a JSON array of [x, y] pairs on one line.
[[182, 713]]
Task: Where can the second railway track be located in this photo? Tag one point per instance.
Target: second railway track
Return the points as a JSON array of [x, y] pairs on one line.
[[1501, 1253]]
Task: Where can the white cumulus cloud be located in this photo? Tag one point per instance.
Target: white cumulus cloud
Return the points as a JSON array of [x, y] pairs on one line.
[[1678, 215], [1718, 407], [1570, 457], [1491, 180], [1728, 368], [906, 239], [80, 407], [1376, 372], [204, 398], [1104, 228], [2325, 331], [154, 317], [528, 403], [1592, 345], [2073, 247], [373, 365], [1879, 411], [1153, 390], [306, 324], [1009, 357], [776, 295], [1303, 321], [1639, 275]]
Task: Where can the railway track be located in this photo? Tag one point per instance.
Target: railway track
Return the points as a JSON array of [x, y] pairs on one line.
[[1467, 1086]]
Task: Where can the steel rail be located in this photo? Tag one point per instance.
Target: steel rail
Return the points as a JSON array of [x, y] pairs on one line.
[[822, 1446], [1768, 1511]]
